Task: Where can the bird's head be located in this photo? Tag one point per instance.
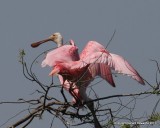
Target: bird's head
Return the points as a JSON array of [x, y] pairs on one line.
[[56, 37]]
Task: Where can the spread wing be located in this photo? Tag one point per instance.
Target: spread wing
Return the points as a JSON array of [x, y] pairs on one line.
[[98, 55], [95, 69], [120, 65], [62, 54], [94, 58], [92, 47], [103, 71]]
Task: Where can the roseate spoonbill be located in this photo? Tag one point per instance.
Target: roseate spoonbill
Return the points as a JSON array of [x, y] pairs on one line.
[[73, 55], [76, 73], [102, 70]]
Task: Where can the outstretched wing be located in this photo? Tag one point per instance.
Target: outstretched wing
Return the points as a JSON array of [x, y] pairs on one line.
[[103, 71], [98, 55], [62, 54], [94, 58], [120, 65], [90, 48], [95, 69]]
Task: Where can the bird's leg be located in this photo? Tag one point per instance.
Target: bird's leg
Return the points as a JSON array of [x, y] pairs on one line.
[[90, 105], [71, 91]]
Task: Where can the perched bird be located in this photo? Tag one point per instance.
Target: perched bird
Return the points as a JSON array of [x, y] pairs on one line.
[[102, 70], [77, 71]]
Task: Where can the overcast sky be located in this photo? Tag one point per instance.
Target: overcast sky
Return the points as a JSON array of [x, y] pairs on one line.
[[137, 38]]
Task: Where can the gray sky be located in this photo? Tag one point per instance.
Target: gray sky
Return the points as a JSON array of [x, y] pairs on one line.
[[137, 37]]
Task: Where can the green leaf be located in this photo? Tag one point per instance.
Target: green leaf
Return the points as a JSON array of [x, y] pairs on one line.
[[126, 126], [154, 117], [21, 55]]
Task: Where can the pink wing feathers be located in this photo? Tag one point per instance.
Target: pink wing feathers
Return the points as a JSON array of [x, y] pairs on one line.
[[64, 53], [103, 71], [94, 58], [120, 65], [90, 48], [98, 55], [95, 69]]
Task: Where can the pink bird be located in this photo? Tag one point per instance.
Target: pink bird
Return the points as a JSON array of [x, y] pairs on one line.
[[76, 72], [102, 70]]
